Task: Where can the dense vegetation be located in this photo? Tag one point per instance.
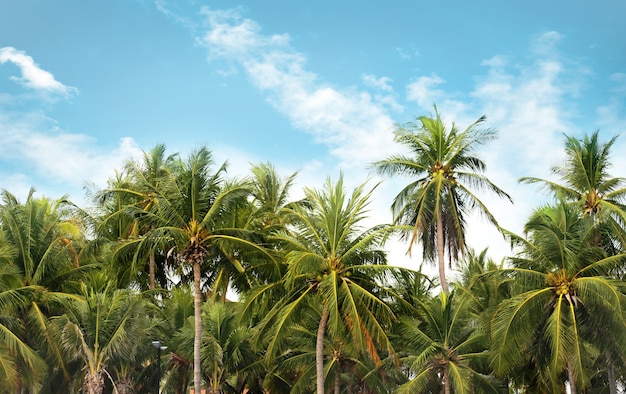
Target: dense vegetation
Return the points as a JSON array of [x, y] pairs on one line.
[[84, 291]]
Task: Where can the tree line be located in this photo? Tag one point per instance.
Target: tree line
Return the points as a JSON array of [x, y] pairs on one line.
[[85, 291]]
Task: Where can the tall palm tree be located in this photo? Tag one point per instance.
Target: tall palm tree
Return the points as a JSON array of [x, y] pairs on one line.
[[445, 172], [599, 197], [332, 267], [193, 222], [564, 301], [139, 186]]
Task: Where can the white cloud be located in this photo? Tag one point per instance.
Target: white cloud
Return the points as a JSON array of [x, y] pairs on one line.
[[545, 44], [407, 54], [425, 92], [611, 115], [382, 83], [32, 75], [530, 102], [353, 124], [45, 156]]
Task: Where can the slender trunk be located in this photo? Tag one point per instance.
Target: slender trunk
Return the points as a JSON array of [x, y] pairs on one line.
[[337, 380], [610, 370], [197, 340], [440, 254], [319, 351], [151, 264], [446, 381], [571, 378]]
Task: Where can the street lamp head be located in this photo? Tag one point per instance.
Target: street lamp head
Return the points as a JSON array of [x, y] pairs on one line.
[[156, 344]]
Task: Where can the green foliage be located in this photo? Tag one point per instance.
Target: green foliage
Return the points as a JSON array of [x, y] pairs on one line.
[[82, 297], [444, 173]]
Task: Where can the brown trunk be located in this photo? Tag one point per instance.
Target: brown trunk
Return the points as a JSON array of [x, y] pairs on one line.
[[319, 351], [440, 254], [610, 370], [94, 383], [197, 340], [571, 379], [337, 380], [446, 381]]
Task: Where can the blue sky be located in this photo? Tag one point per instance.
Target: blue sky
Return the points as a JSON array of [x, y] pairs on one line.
[[313, 87]]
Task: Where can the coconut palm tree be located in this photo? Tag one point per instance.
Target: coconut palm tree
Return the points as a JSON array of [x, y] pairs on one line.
[[585, 182], [193, 222], [44, 239], [173, 319], [20, 365], [443, 350], [47, 238], [445, 172], [564, 303], [599, 197], [332, 267], [100, 326], [227, 350], [270, 195], [139, 186]]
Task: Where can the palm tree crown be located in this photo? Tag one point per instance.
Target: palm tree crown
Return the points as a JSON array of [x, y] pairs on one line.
[[445, 172], [586, 182]]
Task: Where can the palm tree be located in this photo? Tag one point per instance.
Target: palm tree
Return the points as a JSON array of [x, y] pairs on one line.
[[19, 364], [271, 197], [479, 283], [139, 186], [564, 303], [600, 198], [193, 222], [100, 326], [445, 171], [226, 349], [174, 320], [46, 237], [587, 184], [43, 240], [444, 350], [332, 267]]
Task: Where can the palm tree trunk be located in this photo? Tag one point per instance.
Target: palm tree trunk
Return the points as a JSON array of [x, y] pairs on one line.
[[151, 264], [446, 381], [197, 340], [319, 351], [570, 378], [337, 380], [440, 254], [94, 383], [610, 370]]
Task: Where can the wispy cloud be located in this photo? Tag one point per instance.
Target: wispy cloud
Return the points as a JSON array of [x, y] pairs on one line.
[[382, 83], [352, 123], [33, 76], [38, 151], [530, 99], [41, 154]]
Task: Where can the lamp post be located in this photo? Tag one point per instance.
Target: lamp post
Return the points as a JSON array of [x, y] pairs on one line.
[[158, 347]]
